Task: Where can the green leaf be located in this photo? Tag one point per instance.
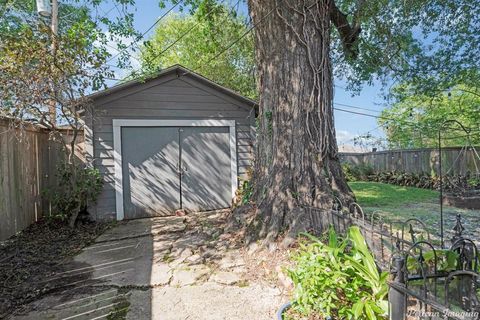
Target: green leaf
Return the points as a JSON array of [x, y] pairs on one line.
[[369, 311], [332, 238], [358, 309]]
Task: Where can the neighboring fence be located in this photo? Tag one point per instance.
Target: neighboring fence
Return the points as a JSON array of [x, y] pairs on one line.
[[455, 160], [28, 160], [425, 283]]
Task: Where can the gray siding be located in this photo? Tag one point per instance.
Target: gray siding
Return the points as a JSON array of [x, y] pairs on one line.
[[170, 97]]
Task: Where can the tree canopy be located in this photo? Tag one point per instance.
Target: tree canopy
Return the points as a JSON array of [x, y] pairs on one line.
[[198, 42], [413, 121], [32, 74], [432, 45]]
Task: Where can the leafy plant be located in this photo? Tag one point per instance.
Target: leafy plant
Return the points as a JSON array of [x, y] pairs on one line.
[[407, 179], [359, 172], [473, 182], [372, 303], [338, 278], [411, 121], [446, 260], [245, 192], [347, 171], [77, 186]]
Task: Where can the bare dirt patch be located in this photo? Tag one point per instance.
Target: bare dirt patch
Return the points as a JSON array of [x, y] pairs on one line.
[[37, 253]]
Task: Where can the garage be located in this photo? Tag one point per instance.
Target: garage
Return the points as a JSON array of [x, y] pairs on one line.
[[166, 168], [175, 141]]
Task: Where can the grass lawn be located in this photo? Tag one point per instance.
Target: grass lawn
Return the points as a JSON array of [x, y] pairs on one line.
[[374, 194], [398, 204]]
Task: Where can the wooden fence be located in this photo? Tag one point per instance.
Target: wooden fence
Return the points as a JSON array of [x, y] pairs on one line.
[[28, 161], [455, 160]]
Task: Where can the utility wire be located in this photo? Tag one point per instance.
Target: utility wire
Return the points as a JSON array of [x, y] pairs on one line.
[[404, 123], [241, 37], [363, 114], [192, 28], [355, 107], [145, 32], [176, 40], [151, 59]]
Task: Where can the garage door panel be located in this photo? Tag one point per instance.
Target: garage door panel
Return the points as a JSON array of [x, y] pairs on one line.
[[206, 179], [149, 160]]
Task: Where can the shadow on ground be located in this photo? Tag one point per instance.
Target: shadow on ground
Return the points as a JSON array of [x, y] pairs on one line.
[[158, 268]]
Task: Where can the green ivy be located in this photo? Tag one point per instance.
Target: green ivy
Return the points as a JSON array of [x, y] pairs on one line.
[[269, 117], [246, 191]]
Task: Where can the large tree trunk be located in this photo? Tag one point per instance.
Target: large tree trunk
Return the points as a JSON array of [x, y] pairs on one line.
[[296, 163]]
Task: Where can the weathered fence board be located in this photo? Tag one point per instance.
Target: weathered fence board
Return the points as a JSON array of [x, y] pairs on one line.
[[28, 161], [455, 160]]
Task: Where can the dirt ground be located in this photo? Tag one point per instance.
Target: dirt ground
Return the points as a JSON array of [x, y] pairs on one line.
[[39, 252], [192, 267]]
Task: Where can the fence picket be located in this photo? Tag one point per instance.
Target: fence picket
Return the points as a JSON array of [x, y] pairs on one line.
[[415, 160], [27, 168]]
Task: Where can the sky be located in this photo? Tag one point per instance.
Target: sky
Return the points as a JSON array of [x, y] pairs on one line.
[[347, 125]]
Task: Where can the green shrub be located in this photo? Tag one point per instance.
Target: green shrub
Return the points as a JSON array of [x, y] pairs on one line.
[[424, 180], [338, 278], [347, 171], [360, 172], [77, 186], [365, 172], [473, 182]]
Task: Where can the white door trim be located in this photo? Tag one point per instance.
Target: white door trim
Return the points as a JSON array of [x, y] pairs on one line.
[[117, 148]]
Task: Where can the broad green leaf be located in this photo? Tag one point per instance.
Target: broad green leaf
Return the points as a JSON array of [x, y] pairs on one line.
[[357, 309]]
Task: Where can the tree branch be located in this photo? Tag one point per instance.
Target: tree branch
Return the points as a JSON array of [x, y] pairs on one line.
[[349, 34]]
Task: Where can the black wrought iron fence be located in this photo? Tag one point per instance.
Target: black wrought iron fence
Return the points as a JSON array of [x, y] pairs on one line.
[[427, 282]]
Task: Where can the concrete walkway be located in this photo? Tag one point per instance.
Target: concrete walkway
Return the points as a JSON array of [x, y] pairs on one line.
[[161, 268]]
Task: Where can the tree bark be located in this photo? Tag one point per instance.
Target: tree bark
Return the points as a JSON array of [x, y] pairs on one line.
[[296, 162]]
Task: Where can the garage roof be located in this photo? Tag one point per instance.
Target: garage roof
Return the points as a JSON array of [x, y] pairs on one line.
[[179, 71]]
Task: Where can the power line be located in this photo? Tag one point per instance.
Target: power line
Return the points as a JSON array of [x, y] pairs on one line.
[[196, 24], [378, 117], [373, 116], [362, 114], [145, 32], [414, 125], [241, 37], [355, 107], [178, 39], [181, 37]]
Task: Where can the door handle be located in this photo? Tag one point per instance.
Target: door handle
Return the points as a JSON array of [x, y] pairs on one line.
[[181, 169]]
